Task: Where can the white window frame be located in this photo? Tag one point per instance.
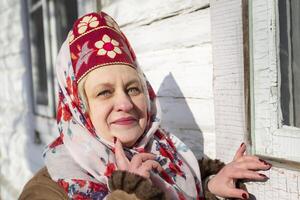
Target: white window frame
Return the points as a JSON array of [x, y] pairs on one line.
[[50, 49], [269, 137]]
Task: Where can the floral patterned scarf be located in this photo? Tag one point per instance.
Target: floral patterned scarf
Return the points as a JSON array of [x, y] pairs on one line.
[[79, 159]]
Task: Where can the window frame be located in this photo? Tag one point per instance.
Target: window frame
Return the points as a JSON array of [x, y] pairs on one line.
[[39, 109], [268, 137]]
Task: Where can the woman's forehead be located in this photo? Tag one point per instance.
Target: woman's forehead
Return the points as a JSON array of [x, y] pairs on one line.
[[112, 74]]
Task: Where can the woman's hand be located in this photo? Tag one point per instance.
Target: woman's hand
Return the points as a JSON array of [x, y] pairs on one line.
[[141, 163], [242, 167]]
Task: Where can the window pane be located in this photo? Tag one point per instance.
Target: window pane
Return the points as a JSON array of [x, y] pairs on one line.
[[32, 2], [38, 57], [295, 43], [289, 27], [284, 62], [66, 12]]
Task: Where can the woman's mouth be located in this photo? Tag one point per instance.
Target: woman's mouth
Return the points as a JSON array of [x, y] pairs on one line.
[[125, 121]]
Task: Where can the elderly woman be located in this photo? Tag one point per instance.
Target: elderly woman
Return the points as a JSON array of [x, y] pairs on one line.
[[111, 145]]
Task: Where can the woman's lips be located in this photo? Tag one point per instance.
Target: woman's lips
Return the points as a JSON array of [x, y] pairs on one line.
[[124, 121]]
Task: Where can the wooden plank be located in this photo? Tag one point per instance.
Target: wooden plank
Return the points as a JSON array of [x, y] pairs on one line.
[[192, 121], [137, 12], [185, 72], [185, 30], [196, 114], [226, 23]]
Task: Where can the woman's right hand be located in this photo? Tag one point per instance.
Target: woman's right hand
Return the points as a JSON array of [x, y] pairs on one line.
[[141, 163]]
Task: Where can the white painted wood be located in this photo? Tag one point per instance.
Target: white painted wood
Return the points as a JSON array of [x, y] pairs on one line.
[[270, 137], [226, 23], [182, 31], [181, 117], [137, 12], [184, 72], [183, 113], [85, 7]]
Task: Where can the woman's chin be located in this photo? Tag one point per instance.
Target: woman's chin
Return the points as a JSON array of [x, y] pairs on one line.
[[127, 138], [127, 135]]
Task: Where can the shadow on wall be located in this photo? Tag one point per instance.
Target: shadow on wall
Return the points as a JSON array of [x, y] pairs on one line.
[[177, 116]]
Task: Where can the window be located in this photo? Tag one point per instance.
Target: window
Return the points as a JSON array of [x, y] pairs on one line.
[[275, 78], [49, 23], [289, 37]]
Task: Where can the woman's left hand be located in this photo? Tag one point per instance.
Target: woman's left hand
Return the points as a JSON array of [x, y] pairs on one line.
[[241, 167], [141, 163]]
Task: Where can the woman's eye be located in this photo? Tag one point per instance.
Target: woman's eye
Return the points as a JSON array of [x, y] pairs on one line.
[[134, 91], [104, 93]]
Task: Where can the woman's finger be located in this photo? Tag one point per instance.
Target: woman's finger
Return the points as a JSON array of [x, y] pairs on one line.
[[250, 164], [147, 166], [240, 152], [121, 159], [248, 174], [151, 165], [139, 158], [237, 193], [248, 158]]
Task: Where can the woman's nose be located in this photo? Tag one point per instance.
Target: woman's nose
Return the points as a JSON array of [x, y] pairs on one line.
[[123, 102]]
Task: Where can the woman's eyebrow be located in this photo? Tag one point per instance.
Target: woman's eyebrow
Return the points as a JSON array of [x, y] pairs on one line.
[[132, 81], [101, 85], [107, 84]]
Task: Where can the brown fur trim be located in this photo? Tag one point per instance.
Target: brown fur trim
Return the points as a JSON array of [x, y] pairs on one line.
[[133, 183], [209, 167]]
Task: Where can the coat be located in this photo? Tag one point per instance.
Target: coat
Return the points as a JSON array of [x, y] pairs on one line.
[[41, 186]]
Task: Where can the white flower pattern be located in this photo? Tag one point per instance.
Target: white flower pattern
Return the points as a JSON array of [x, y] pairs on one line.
[[87, 21], [108, 46]]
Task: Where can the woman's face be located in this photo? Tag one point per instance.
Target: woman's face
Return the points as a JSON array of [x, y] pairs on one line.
[[117, 104]]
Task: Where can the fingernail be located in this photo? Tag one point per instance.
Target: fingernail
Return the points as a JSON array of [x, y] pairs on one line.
[[115, 140], [242, 144], [113, 150], [264, 176], [244, 196], [265, 162]]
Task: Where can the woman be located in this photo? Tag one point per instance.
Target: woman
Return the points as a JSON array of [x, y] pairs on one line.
[[110, 144]]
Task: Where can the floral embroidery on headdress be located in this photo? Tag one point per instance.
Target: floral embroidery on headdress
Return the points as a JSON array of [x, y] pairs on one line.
[[108, 46], [87, 21]]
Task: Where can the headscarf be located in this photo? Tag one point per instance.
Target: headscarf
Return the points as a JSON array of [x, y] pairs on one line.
[[80, 160]]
